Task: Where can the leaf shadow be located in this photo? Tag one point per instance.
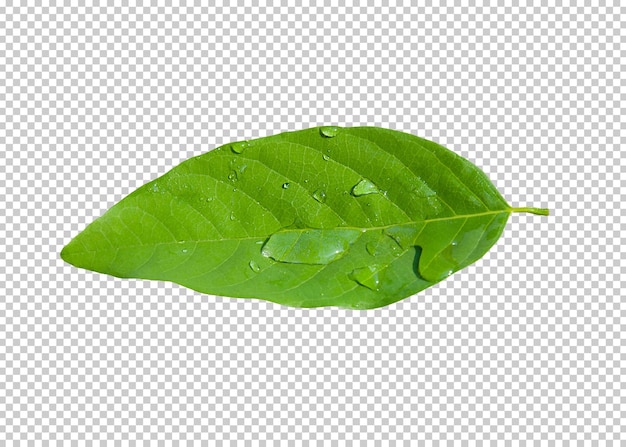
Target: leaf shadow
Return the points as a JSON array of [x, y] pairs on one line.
[[416, 262]]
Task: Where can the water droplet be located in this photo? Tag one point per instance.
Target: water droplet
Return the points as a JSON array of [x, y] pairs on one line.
[[155, 187], [423, 191], [325, 157], [433, 207], [306, 180], [184, 250], [254, 266], [329, 131], [367, 277], [209, 199], [363, 188], [232, 176], [403, 235], [453, 253], [240, 146], [232, 216], [237, 164], [395, 250], [285, 185], [313, 246], [320, 195], [371, 248]]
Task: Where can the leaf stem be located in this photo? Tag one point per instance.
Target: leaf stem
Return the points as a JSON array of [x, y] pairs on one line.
[[539, 211]]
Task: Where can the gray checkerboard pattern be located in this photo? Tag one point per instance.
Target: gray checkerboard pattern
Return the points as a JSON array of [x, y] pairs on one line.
[[525, 345]]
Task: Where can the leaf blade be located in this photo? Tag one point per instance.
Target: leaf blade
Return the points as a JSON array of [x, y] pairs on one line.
[[398, 214]]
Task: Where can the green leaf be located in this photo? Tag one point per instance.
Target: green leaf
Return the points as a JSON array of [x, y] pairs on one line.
[[350, 217]]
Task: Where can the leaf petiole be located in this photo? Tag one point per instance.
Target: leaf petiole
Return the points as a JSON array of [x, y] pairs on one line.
[[538, 211]]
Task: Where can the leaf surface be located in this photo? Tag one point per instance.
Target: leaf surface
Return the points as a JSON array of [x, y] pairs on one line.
[[350, 217]]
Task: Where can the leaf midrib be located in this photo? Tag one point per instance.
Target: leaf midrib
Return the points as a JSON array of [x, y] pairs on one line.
[[362, 229]]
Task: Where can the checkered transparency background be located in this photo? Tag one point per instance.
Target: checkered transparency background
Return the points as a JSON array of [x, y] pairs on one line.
[[527, 344]]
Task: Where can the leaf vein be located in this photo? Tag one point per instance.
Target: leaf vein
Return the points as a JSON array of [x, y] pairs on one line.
[[382, 227], [454, 174], [349, 168], [261, 162], [409, 168]]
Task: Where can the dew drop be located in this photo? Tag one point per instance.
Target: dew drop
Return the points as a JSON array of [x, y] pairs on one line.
[[329, 131], [254, 266], [452, 253], [363, 188], [325, 157], [433, 206], [285, 185], [320, 195], [372, 248], [237, 165], [403, 235], [396, 250], [184, 250], [423, 191], [313, 246], [232, 176], [232, 216], [209, 199], [240, 146], [155, 187], [367, 277]]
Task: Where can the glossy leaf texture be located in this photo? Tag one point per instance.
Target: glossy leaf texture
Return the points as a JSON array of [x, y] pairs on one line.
[[350, 217]]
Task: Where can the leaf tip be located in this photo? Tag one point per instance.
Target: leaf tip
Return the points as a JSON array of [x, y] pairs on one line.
[[74, 253], [68, 253]]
